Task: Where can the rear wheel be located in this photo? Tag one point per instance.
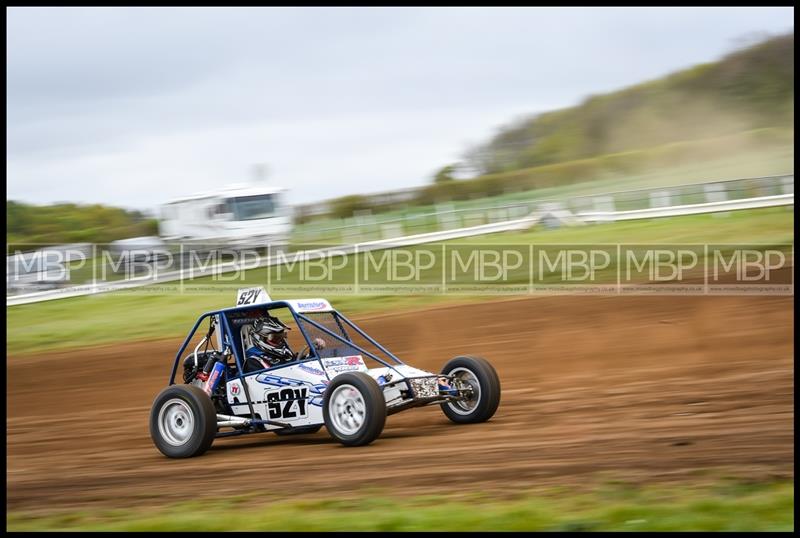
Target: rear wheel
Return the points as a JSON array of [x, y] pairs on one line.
[[476, 374], [354, 409], [183, 421]]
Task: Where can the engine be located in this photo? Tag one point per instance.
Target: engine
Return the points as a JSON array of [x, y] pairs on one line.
[[209, 371]]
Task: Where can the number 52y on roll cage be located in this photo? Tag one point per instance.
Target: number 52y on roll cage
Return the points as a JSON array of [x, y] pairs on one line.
[[327, 384]]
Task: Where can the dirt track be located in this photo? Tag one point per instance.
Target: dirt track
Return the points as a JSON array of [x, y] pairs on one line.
[[630, 388]]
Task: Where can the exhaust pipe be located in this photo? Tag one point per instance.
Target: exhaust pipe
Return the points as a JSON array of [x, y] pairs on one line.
[[227, 420]]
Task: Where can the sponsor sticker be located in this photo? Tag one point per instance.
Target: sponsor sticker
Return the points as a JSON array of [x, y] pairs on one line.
[[311, 370], [235, 390], [352, 363], [312, 305]]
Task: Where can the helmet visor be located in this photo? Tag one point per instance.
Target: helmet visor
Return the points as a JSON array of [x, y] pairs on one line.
[[277, 337]]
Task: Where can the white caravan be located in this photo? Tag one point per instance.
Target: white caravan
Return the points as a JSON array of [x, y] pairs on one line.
[[236, 216]]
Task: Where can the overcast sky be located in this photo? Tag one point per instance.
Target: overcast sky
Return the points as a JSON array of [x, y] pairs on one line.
[[133, 107]]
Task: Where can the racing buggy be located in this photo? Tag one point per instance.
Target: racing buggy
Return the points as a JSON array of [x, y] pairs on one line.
[[328, 383]]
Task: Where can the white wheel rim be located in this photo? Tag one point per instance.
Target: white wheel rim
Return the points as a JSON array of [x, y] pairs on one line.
[[175, 422], [347, 409], [467, 405]]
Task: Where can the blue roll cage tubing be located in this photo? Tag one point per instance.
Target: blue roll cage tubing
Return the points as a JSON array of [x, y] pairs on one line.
[[228, 335]]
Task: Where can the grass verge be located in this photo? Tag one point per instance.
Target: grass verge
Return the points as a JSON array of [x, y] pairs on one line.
[[722, 506]]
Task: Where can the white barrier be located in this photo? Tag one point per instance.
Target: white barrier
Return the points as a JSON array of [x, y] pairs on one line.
[[692, 209], [418, 239]]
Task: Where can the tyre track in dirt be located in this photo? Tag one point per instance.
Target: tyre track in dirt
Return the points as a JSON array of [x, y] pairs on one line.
[[638, 389]]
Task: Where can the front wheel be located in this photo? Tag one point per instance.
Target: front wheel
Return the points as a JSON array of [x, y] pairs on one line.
[[483, 384], [183, 421], [354, 409]]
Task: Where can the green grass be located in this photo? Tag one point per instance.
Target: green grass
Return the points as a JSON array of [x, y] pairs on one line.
[[768, 226], [722, 506], [161, 311]]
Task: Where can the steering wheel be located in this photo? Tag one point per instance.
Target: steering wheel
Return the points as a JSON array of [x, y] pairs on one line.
[[306, 352]]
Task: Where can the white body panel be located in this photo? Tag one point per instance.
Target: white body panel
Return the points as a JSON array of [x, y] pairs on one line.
[[305, 380], [272, 390]]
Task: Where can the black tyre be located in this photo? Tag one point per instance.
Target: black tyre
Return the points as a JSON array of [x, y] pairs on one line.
[[481, 376], [183, 421], [299, 430], [354, 409]]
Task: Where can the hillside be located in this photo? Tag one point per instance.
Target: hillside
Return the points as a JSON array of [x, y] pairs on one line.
[[751, 88]]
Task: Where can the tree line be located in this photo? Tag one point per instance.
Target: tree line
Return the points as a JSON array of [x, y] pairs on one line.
[[31, 225]]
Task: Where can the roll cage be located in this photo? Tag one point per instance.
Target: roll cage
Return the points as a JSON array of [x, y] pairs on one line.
[[230, 340]]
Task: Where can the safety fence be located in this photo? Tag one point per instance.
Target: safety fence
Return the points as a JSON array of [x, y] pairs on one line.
[[749, 193]]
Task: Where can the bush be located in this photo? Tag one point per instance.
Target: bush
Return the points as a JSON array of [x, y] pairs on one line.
[[345, 206]]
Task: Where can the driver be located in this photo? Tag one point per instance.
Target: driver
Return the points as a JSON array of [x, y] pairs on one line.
[[270, 347]]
